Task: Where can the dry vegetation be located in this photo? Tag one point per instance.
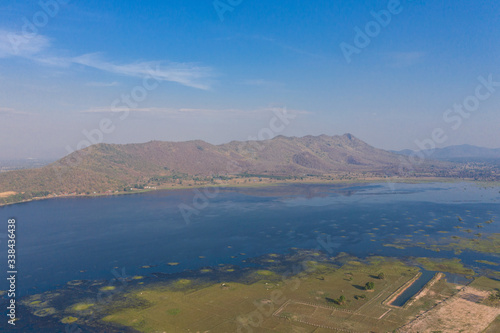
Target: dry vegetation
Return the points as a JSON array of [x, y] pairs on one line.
[[461, 313]]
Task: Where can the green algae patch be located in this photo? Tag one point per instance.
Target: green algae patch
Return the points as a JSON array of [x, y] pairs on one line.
[[205, 270], [396, 246], [264, 272], [182, 283], [486, 262], [137, 277], [453, 266], [44, 312], [68, 320], [173, 263], [489, 243], [82, 306], [107, 288], [75, 283]]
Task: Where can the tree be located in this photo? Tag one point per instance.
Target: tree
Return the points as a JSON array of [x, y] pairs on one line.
[[381, 276], [341, 299], [370, 286]]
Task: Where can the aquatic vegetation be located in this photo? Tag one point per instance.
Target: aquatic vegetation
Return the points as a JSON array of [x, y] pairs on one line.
[[75, 283], [265, 272], [453, 266], [82, 306], [68, 320], [137, 277], [487, 262], [488, 244], [396, 246], [205, 270], [107, 288], [173, 263], [44, 312], [183, 282]]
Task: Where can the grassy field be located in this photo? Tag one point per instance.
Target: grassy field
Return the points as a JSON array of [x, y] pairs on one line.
[[309, 302]]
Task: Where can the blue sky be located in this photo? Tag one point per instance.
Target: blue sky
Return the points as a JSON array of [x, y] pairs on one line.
[[222, 80]]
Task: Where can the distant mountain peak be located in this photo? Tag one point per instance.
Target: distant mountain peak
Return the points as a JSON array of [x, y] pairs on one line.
[[349, 136]]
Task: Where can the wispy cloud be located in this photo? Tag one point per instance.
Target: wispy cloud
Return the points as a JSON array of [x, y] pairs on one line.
[[16, 44], [12, 111], [107, 109], [187, 74], [36, 48], [193, 111]]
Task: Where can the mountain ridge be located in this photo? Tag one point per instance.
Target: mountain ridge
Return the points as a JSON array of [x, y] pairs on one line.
[[456, 152], [106, 168]]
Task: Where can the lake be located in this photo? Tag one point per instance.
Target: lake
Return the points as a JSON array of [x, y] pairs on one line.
[[61, 240]]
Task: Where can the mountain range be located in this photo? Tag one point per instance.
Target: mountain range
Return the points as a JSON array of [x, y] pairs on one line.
[[458, 153], [105, 167], [109, 168]]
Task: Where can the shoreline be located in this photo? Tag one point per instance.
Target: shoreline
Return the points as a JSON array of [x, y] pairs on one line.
[[416, 180]]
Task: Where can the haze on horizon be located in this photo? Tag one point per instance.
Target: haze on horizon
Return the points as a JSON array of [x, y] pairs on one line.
[[391, 72]]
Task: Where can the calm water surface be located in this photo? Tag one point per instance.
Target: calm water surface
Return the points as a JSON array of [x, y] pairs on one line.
[[60, 240]]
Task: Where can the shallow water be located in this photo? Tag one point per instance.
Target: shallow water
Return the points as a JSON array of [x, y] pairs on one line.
[[414, 288], [60, 240]]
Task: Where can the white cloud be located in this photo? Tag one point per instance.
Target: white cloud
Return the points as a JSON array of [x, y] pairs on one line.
[[11, 111], [186, 74], [17, 44], [36, 47]]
